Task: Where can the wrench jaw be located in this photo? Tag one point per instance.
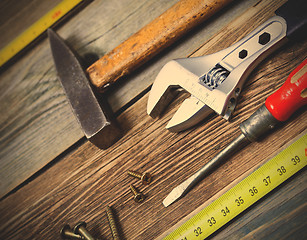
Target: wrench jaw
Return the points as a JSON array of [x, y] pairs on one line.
[[174, 75], [191, 112], [162, 91], [181, 73]]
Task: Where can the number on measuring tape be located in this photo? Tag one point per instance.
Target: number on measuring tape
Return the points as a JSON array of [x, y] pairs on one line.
[[225, 211], [267, 181], [296, 160]]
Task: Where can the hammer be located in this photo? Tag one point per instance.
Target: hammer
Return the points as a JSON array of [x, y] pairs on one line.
[[94, 117]]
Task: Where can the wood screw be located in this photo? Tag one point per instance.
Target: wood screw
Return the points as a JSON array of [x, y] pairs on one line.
[[80, 228], [67, 233], [145, 177], [112, 223], [138, 196]]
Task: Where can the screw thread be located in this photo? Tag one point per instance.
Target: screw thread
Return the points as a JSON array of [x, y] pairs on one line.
[[135, 174], [112, 223], [133, 190]]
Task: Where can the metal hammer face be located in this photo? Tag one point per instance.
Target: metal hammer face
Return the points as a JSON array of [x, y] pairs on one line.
[[94, 118]]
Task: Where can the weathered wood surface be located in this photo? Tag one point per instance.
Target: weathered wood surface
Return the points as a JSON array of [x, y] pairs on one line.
[[82, 181], [17, 15], [36, 122]]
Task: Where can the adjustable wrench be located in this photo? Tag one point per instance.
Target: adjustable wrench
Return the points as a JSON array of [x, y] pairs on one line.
[[215, 81]]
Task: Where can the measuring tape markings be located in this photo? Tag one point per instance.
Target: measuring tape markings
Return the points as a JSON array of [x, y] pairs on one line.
[[36, 29], [245, 193]]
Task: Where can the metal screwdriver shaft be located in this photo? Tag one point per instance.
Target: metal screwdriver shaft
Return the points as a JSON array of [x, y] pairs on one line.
[[187, 185]]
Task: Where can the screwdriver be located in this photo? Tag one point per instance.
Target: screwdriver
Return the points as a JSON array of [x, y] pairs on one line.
[[278, 107]]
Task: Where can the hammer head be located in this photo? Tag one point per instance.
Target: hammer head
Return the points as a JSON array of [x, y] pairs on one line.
[[94, 118]]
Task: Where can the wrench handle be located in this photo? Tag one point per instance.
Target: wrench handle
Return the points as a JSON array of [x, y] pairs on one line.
[[152, 39], [291, 95]]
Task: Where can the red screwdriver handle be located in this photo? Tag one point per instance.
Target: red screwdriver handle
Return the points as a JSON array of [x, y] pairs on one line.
[[291, 95]]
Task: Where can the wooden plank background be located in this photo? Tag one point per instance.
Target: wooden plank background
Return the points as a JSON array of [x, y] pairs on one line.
[[15, 12], [36, 122], [79, 183]]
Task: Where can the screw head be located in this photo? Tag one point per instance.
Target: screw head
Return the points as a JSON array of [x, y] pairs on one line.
[[146, 178], [79, 225], [139, 197], [64, 229], [66, 232], [80, 228]]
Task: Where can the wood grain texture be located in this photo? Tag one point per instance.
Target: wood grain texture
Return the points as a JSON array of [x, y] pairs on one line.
[[36, 123], [15, 12], [80, 184], [152, 39]]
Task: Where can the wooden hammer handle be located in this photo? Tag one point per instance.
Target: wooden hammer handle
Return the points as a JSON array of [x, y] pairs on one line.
[[152, 39]]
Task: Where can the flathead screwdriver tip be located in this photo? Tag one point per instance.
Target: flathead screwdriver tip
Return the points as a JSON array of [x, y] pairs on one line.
[[178, 191], [169, 199]]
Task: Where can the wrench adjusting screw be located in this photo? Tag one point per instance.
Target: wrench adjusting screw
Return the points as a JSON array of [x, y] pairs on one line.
[[112, 223], [67, 233], [145, 177], [80, 228], [138, 196]]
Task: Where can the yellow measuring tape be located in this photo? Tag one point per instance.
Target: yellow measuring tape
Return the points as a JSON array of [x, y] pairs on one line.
[[245, 193], [36, 29]]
